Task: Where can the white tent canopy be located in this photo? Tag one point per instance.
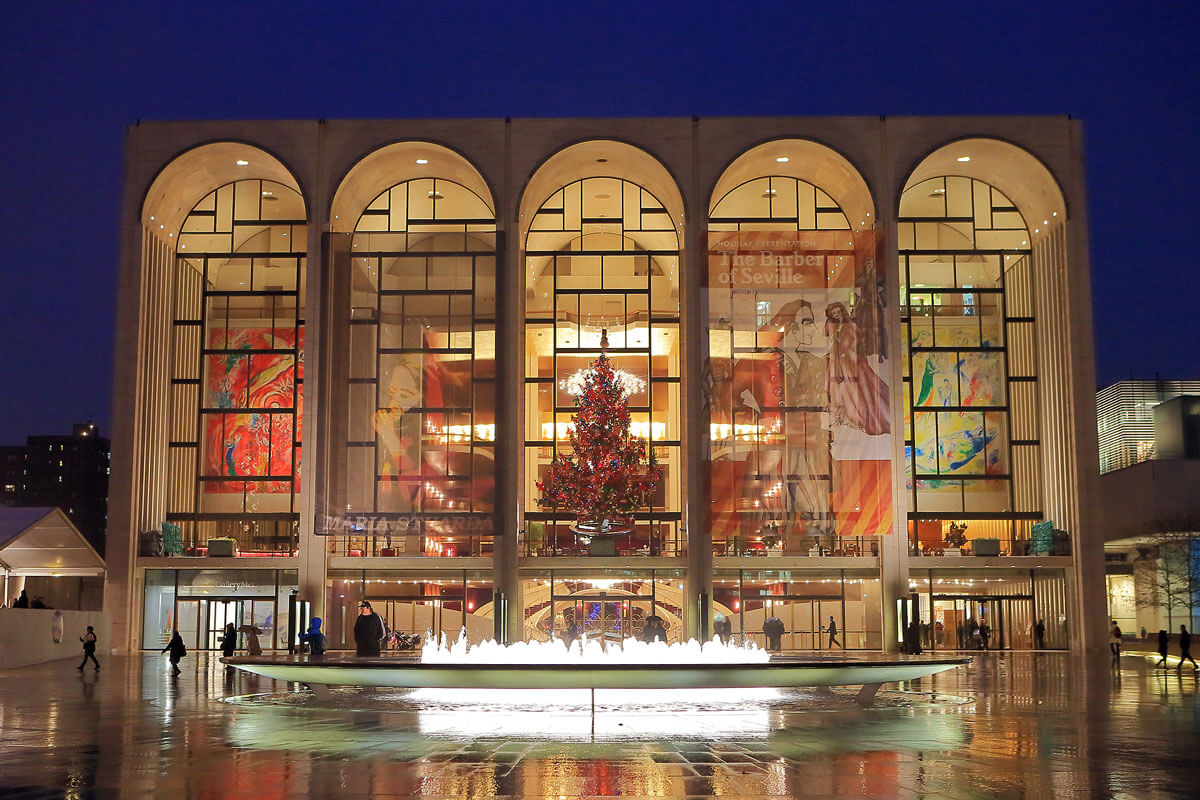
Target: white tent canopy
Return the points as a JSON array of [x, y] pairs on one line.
[[44, 542]]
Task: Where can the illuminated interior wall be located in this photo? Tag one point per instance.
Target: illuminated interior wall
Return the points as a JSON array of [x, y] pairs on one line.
[[970, 376], [796, 378], [237, 377], [602, 254], [421, 427]]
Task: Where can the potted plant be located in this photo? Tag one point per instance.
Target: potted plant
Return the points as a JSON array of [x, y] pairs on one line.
[[986, 546], [222, 547]]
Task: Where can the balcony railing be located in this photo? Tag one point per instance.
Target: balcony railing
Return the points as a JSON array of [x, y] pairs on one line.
[[410, 546], [810, 546], [1060, 546]]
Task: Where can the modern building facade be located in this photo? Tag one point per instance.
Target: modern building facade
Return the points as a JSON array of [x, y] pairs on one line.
[[1150, 468], [859, 348], [67, 472]]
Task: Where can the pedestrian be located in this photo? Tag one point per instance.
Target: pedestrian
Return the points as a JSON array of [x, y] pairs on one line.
[[773, 630], [39, 603], [723, 628], [985, 634], [573, 633], [1185, 648], [89, 648], [314, 638], [1039, 635], [229, 640], [1114, 641], [176, 649], [833, 631], [22, 601], [368, 630], [976, 636], [913, 640], [1162, 648]]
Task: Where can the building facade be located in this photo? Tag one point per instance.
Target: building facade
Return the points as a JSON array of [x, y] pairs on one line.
[[859, 348], [1150, 468], [68, 472]]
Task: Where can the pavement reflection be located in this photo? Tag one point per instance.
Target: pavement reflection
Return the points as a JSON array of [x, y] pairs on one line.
[[1030, 725]]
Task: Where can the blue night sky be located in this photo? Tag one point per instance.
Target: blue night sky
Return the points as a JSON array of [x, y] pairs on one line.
[[73, 75]]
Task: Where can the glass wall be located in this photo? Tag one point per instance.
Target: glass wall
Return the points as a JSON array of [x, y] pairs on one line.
[[804, 601], [993, 609], [199, 603], [237, 372], [445, 602], [796, 377], [602, 257], [419, 477], [606, 605], [970, 382]]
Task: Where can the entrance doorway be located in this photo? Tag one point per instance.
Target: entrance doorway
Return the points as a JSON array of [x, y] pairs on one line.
[[805, 621], [602, 615], [956, 617], [201, 621]]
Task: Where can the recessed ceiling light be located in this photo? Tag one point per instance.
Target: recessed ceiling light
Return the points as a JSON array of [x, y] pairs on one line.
[[964, 158], [241, 162], [782, 160], [436, 196], [601, 160], [422, 160], [267, 194], [603, 196]]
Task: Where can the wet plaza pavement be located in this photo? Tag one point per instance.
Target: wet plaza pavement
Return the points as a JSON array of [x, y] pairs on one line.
[[1009, 725]]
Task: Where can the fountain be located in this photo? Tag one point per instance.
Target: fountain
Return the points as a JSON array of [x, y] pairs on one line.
[[588, 664]]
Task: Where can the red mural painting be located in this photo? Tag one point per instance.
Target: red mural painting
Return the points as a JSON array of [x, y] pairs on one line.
[[259, 381]]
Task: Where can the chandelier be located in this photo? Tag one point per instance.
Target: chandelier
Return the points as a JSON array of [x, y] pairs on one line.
[[573, 384]]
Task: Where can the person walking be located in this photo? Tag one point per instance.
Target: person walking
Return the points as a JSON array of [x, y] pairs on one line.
[[1185, 648], [89, 648], [1162, 649], [985, 634], [1039, 635], [1114, 641], [368, 630], [176, 649], [833, 632], [229, 640]]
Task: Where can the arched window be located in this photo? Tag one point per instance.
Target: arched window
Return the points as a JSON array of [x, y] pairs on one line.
[[970, 394], [237, 368], [796, 379], [420, 435], [602, 255]]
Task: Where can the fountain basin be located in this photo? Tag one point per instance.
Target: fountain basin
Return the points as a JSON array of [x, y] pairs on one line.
[[789, 672]]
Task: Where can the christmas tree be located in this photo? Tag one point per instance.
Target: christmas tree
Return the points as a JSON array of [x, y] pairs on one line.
[[605, 479]]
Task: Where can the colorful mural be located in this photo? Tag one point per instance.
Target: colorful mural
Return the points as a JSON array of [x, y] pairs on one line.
[[260, 383]]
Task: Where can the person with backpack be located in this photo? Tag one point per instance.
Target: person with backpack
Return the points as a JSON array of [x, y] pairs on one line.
[[1114, 641], [314, 638], [176, 649], [89, 647]]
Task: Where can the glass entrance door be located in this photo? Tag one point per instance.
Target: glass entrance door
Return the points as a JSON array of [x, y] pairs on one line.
[[220, 613]]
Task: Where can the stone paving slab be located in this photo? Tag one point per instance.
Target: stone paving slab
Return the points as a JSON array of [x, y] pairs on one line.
[[1026, 725]]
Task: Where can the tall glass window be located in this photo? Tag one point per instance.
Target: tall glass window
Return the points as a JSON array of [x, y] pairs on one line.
[[602, 255], [970, 393], [421, 431], [796, 379], [237, 369]]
